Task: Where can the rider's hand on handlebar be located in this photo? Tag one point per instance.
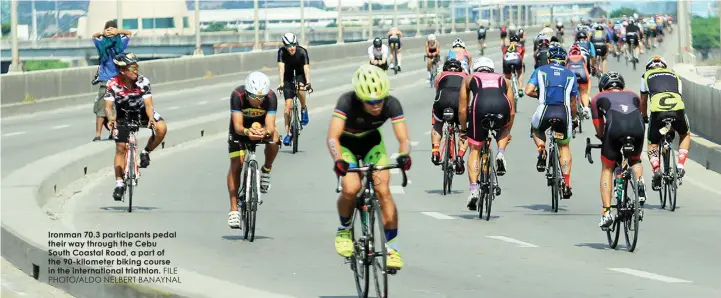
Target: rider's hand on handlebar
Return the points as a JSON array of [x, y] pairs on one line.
[[308, 88], [340, 167], [280, 88], [404, 161]]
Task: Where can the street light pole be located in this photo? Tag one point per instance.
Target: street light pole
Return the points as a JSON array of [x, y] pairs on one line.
[[302, 23], [196, 13], [370, 20], [453, 16], [436, 16], [339, 24], [119, 16], [418, 18], [15, 64], [256, 25]]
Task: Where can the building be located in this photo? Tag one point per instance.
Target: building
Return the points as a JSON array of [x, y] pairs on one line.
[[275, 18], [144, 18]]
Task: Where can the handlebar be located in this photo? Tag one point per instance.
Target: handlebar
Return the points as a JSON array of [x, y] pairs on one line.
[[590, 146], [374, 168]]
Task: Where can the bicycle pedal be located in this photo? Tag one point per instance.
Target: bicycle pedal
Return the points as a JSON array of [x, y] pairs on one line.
[[392, 271], [498, 191]]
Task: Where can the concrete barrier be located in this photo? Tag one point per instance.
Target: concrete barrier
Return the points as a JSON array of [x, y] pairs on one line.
[[33, 88], [702, 98]]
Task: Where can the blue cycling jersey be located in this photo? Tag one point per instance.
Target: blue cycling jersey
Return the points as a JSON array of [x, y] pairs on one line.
[[556, 84]]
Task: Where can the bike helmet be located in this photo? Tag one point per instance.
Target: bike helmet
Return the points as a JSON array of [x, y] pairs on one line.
[[559, 23], [125, 59], [452, 65], [557, 54], [433, 36], [581, 35], [611, 80], [574, 50], [377, 42], [257, 84], [514, 38], [599, 27], [459, 43], [289, 39], [655, 62], [370, 83], [483, 64], [512, 28]]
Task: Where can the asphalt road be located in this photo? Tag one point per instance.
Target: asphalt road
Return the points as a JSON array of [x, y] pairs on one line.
[[524, 251]]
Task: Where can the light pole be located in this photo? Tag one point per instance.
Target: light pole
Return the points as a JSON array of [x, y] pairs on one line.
[[453, 16], [256, 26], [436, 16], [339, 24], [302, 23], [468, 29], [196, 13], [15, 64], [370, 20], [418, 18], [395, 13], [119, 16]]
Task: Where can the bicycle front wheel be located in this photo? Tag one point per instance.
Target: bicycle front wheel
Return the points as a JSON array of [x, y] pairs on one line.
[[252, 198], [359, 263], [631, 212], [295, 127], [130, 176], [378, 250]]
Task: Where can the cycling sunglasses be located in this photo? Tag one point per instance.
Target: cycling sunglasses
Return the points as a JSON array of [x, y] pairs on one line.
[[131, 68], [291, 45], [374, 102], [256, 96]]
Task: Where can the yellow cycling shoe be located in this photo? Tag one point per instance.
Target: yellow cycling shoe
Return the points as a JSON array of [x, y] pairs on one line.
[[394, 260], [344, 243]]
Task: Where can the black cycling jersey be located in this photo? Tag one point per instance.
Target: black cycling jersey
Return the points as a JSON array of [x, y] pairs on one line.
[[610, 105], [633, 28], [294, 62], [240, 103], [599, 37], [660, 80], [450, 81], [359, 122]]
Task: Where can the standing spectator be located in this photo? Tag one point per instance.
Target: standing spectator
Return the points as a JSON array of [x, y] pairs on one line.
[[109, 43]]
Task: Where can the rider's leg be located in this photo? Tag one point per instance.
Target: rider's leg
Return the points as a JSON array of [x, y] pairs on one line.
[[233, 179], [436, 135], [390, 217], [351, 185], [566, 160]]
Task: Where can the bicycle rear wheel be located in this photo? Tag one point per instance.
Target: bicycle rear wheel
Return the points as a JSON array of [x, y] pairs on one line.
[[631, 213], [252, 201], [482, 180], [665, 173], [673, 182], [555, 180], [446, 163], [130, 176], [294, 127], [491, 191], [358, 260], [378, 251]]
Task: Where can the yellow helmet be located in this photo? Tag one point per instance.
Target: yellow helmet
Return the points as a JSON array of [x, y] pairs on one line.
[[371, 83]]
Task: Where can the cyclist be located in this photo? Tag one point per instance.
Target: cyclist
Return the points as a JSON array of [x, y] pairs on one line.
[[293, 58], [662, 87], [394, 37], [355, 131], [378, 54], [601, 44], [616, 115], [504, 34], [251, 103], [127, 98], [513, 57], [557, 94], [484, 92], [559, 30], [481, 38], [634, 35], [433, 48], [590, 51], [547, 30], [543, 44], [576, 62], [448, 87], [458, 52]]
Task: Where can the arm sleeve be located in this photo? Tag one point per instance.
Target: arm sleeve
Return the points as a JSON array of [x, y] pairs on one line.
[[109, 93], [370, 53], [533, 80], [147, 93], [395, 110], [306, 58], [272, 102], [236, 101], [596, 112], [96, 42]]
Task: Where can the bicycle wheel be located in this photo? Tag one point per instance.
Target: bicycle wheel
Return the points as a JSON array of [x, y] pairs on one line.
[[446, 163], [130, 176], [555, 180], [580, 118], [665, 173], [491, 193], [673, 182], [358, 260], [252, 194], [378, 250], [482, 180], [631, 211], [294, 124], [395, 61], [450, 171]]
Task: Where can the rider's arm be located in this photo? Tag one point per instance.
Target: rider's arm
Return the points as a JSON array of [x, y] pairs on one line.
[[428, 50], [236, 114], [270, 113], [509, 94], [109, 102], [337, 124], [281, 66], [147, 98], [470, 59], [384, 54], [644, 97], [395, 111], [370, 54], [598, 119], [306, 66], [532, 83], [574, 95], [463, 103]]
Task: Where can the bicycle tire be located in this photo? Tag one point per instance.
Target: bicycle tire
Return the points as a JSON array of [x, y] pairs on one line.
[[130, 172], [490, 196], [294, 127], [358, 260], [553, 164], [380, 252], [664, 191], [580, 118], [242, 206], [450, 171], [632, 212], [395, 61], [674, 183], [252, 202]]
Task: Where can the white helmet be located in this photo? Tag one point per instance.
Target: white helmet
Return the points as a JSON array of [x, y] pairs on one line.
[[257, 84], [458, 43], [624, 23], [635, 15], [431, 36], [483, 63], [559, 23], [289, 39], [512, 27]]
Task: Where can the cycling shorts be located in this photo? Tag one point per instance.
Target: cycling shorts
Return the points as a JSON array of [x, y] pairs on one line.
[[237, 142], [123, 134], [540, 122], [517, 65], [478, 127], [394, 40], [581, 72], [680, 124], [481, 36], [504, 35], [370, 147], [289, 90], [630, 125], [446, 98], [601, 50]]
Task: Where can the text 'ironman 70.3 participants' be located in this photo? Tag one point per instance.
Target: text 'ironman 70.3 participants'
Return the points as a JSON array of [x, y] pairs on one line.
[[110, 257]]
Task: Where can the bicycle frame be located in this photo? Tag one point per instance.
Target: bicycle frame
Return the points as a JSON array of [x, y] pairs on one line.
[[448, 151]]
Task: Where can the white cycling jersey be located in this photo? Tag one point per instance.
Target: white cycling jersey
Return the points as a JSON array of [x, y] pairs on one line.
[[381, 53]]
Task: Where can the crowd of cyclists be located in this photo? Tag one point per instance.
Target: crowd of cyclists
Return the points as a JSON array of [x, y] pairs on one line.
[[472, 88]]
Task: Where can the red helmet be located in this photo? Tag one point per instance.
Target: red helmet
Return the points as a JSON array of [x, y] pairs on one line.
[[575, 50]]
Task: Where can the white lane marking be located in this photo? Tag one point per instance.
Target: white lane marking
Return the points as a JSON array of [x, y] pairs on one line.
[[223, 98], [413, 144], [17, 133], [649, 275], [173, 108], [395, 171], [437, 215], [60, 126], [8, 286], [397, 189], [202, 103], [427, 132], [511, 240], [394, 156]]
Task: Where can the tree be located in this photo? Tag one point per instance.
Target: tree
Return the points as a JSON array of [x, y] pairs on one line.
[[623, 11], [6, 29], [215, 27], [705, 35]]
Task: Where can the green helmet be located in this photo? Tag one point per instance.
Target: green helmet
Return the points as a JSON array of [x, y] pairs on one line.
[[370, 83]]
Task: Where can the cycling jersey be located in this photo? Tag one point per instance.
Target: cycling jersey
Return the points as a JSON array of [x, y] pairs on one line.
[[488, 95], [512, 60], [555, 83], [588, 46], [432, 46], [448, 90], [293, 62], [481, 33], [664, 89], [361, 135], [378, 53], [618, 112], [128, 99], [240, 103], [577, 64], [460, 55]]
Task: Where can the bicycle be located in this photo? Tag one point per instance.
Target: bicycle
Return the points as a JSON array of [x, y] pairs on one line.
[[579, 117], [628, 210], [132, 159], [250, 179], [631, 52], [554, 176], [488, 179], [434, 69], [366, 251], [448, 150], [669, 175], [396, 68], [597, 67], [514, 86], [295, 125]]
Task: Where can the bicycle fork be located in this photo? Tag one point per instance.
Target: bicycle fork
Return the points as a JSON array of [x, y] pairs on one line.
[[132, 153]]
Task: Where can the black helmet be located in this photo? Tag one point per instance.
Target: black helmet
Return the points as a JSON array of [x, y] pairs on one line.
[[452, 64], [377, 42], [514, 38], [125, 59], [610, 80], [580, 35]]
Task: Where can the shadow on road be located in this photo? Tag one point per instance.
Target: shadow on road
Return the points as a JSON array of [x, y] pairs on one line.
[[241, 238]]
